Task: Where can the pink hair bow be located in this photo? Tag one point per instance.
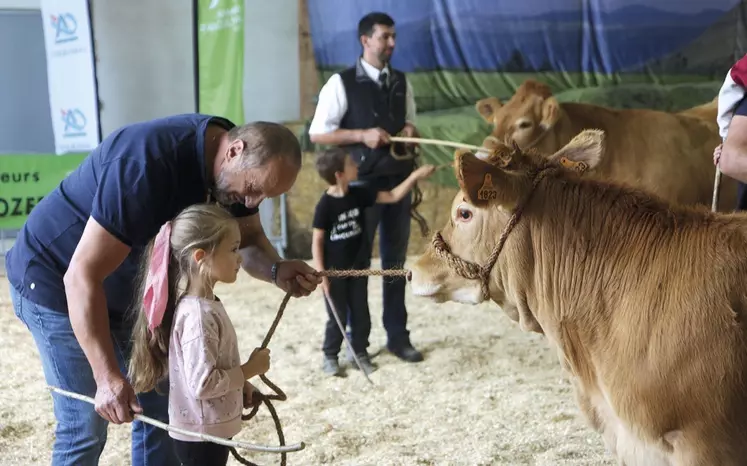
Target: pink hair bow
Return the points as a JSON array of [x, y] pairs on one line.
[[157, 281]]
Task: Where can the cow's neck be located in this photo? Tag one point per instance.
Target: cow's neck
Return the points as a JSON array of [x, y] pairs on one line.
[[555, 269], [512, 285]]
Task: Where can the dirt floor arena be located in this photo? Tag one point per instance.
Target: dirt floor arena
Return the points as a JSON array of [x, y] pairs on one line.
[[487, 394]]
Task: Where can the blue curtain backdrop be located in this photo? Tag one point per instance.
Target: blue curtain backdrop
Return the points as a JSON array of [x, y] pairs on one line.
[[460, 50]]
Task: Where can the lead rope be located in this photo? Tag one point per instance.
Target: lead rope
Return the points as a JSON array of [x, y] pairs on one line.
[[417, 194], [259, 397], [417, 198]]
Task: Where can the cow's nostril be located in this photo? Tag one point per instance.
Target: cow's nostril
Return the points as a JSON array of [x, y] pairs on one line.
[[409, 275]]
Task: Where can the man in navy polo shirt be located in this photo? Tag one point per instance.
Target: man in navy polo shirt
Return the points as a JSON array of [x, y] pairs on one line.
[[72, 267]]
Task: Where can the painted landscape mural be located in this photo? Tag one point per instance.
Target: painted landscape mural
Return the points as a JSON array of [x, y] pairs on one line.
[[667, 54]]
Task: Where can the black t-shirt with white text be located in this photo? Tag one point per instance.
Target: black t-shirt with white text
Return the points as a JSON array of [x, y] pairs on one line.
[[342, 219]]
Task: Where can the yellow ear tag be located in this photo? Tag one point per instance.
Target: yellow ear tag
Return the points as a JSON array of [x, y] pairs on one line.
[[487, 191], [580, 167]]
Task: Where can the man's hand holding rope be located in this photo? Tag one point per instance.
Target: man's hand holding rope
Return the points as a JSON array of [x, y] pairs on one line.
[[296, 277]]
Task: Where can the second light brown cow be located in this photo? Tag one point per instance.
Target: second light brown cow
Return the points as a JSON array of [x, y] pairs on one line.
[[644, 301], [669, 154]]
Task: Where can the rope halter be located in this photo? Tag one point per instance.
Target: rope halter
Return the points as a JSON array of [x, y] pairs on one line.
[[472, 271]]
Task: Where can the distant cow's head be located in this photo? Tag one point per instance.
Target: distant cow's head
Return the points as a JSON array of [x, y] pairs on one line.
[[492, 185], [526, 118]]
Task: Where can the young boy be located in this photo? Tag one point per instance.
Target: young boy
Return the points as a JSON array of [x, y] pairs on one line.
[[338, 243]]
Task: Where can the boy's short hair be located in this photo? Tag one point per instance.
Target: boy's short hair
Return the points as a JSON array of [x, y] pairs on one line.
[[330, 161]]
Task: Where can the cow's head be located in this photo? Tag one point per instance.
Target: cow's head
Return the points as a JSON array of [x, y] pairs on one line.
[[527, 118], [492, 185]]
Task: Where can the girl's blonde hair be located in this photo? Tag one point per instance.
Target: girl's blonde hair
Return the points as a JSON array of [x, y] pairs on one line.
[[200, 226]]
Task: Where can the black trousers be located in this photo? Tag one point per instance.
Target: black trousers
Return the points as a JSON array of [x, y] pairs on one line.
[[393, 223], [350, 298], [201, 453]]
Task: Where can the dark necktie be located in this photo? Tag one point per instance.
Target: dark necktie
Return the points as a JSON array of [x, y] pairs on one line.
[[384, 81]]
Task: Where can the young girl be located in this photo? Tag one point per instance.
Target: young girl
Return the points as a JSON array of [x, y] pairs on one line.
[[183, 333]]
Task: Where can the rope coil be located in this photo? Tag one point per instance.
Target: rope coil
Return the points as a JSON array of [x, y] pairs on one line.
[[279, 395]]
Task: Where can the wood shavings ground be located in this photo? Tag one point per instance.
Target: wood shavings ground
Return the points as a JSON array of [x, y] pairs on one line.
[[487, 393]]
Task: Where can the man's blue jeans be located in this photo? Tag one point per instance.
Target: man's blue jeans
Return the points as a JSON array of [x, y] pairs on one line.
[[80, 434], [393, 223]]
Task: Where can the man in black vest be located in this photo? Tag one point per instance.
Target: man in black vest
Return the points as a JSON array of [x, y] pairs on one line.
[[359, 108]]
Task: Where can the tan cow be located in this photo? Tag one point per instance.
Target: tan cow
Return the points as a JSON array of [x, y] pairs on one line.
[[707, 111], [644, 301], [669, 154]]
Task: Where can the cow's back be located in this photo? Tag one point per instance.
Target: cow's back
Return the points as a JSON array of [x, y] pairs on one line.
[[669, 154], [707, 111]]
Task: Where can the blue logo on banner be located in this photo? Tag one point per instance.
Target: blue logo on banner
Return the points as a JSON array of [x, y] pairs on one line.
[[65, 27], [75, 123]]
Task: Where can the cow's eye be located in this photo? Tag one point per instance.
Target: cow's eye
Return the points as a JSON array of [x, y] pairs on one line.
[[524, 124], [464, 215]]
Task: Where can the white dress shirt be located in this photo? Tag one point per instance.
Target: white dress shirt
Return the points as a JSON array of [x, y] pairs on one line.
[[333, 103]]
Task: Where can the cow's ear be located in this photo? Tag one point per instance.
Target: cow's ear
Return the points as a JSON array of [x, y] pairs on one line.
[[487, 107], [478, 179], [550, 113], [583, 152]]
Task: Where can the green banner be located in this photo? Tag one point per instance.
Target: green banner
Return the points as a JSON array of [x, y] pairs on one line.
[[25, 179], [220, 52]]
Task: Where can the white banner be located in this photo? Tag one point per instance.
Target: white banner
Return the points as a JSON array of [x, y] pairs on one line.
[[70, 75]]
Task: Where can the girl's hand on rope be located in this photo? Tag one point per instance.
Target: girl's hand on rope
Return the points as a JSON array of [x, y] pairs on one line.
[[252, 396], [717, 154], [258, 363]]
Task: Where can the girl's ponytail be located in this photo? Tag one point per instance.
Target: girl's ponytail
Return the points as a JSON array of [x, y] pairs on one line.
[[155, 301]]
